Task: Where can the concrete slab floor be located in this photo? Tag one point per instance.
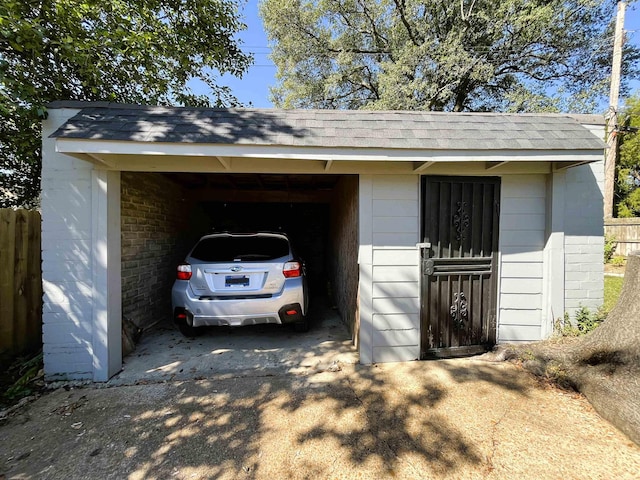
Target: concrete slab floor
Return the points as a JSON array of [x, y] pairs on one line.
[[164, 354]]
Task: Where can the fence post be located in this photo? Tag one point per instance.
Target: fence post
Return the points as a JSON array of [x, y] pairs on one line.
[[7, 261]]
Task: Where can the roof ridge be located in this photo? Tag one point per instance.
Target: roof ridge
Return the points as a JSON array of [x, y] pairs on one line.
[[80, 104]]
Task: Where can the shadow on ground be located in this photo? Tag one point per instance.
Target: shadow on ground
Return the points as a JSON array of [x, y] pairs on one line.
[[442, 419], [165, 354], [462, 418]]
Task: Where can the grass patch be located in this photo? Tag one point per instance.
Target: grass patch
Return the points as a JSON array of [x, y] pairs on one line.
[[612, 289]]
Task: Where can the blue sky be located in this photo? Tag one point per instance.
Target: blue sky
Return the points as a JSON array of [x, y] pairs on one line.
[[253, 88]]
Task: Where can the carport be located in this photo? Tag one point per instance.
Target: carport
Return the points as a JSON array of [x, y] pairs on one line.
[[437, 234], [166, 200], [163, 214]]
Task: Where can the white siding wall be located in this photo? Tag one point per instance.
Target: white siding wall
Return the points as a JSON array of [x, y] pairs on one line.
[[389, 268], [584, 237], [66, 259], [522, 240]]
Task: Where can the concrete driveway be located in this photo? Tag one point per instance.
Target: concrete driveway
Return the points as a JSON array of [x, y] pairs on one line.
[[268, 403], [165, 354], [454, 419]]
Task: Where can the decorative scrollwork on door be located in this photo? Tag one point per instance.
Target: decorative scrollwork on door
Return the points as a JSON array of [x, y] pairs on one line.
[[458, 310], [461, 221]]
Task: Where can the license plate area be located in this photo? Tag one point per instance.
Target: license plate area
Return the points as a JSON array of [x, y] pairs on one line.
[[236, 280]]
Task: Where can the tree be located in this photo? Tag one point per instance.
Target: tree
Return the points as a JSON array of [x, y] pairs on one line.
[[604, 365], [627, 193], [133, 51], [478, 55]]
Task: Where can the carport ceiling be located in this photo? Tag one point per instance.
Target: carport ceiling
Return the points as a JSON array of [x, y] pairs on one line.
[[257, 187]]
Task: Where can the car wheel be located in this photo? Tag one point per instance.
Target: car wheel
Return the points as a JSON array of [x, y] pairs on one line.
[[189, 331]]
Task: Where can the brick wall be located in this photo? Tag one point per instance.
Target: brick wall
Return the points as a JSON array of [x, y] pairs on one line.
[[584, 237], [67, 308], [344, 252], [155, 238]]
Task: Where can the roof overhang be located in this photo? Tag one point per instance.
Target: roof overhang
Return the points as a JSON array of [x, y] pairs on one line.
[[158, 156]]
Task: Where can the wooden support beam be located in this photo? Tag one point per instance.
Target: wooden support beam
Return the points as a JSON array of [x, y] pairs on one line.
[[225, 162], [327, 165], [492, 165], [101, 162], [422, 167], [558, 166], [263, 196]]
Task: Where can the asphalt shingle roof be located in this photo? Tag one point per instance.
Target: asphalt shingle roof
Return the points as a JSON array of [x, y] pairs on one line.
[[329, 128]]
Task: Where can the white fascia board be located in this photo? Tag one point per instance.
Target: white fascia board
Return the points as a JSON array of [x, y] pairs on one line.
[[101, 147]]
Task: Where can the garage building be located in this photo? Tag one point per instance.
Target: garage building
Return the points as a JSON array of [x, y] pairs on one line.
[[437, 234]]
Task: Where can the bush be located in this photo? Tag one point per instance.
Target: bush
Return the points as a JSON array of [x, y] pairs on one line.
[[584, 322], [564, 328], [610, 244], [587, 321], [618, 261]]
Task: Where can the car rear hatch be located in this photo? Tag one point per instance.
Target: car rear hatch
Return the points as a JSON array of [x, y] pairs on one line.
[[233, 266]]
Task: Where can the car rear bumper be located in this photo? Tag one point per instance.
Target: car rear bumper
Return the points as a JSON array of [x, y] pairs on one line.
[[237, 311]]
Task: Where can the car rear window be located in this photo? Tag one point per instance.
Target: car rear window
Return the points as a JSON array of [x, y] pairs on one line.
[[230, 249]]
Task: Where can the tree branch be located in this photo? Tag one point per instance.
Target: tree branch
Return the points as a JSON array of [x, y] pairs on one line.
[[377, 36], [400, 7], [358, 50]]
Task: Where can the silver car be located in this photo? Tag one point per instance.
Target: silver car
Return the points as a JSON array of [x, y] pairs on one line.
[[240, 279]]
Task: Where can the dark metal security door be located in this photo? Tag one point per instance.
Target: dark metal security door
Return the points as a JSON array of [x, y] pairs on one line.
[[459, 260]]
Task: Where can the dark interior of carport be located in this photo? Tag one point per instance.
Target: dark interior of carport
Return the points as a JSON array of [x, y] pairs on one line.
[[163, 214]]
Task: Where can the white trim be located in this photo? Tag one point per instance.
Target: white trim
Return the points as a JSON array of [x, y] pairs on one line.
[[106, 275], [554, 254], [75, 146], [365, 263]]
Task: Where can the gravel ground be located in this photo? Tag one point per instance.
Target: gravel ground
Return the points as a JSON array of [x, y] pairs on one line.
[[458, 419]]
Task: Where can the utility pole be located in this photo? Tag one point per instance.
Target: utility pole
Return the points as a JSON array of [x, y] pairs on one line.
[[612, 115]]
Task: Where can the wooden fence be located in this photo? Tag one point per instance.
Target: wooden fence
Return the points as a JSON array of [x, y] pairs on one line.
[[626, 231], [20, 282]]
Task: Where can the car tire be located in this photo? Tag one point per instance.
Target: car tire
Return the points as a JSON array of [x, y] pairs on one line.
[[189, 331], [301, 326]]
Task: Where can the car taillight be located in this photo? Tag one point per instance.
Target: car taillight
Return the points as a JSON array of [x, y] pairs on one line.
[[184, 271], [292, 269]]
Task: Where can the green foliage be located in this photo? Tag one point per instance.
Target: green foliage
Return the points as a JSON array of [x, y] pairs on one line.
[[618, 261], [133, 51], [24, 375], [587, 321], [442, 55], [629, 205], [584, 322], [564, 328], [610, 244], [627, 186]]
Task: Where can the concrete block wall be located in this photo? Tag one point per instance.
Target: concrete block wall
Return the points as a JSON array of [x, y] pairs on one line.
[[584, 237], [67, 259], [155, 238], [344, 252]]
